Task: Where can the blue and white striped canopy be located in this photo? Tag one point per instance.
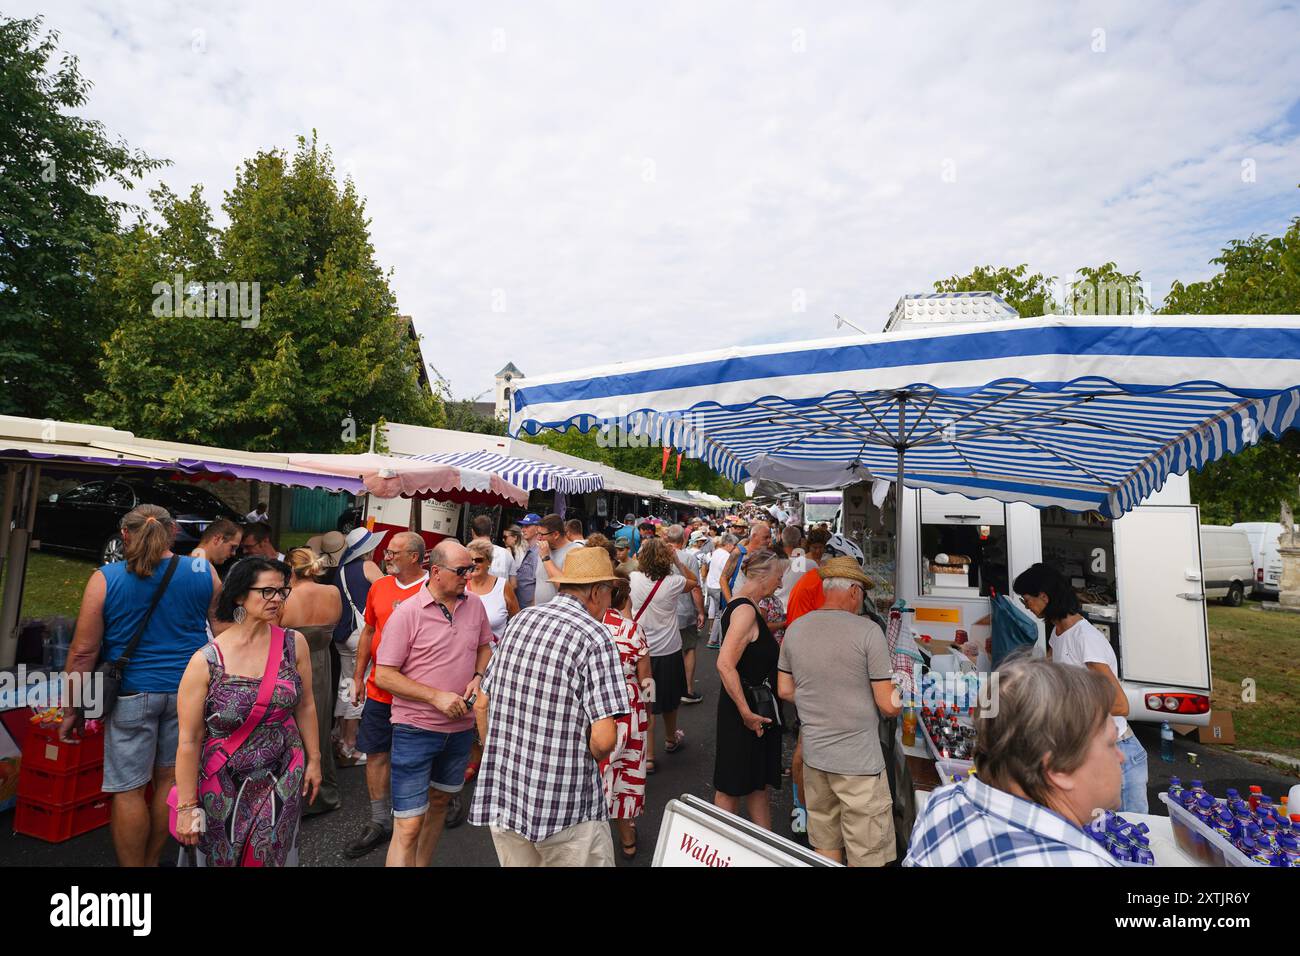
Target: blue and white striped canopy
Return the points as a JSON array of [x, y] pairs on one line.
[[524, 472], [1087, 414]]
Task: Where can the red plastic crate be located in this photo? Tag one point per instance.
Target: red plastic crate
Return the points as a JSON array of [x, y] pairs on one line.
[[55, 824], [60, 788], [44, 751]]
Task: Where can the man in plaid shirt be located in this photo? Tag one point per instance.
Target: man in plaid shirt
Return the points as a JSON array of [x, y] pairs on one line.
[[1048, 763], [545, 712]]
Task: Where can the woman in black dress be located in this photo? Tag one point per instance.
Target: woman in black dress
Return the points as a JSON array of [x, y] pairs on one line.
[[749, 748]]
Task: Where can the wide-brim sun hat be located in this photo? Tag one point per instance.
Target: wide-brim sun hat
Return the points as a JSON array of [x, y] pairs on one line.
[[361, 542], [330, 546], [586, 566], [845, 568]]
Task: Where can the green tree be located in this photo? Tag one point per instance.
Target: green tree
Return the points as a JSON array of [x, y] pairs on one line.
[[1028, 293], [1104, 290], [1259, 275], [326, 355], [51, 164]]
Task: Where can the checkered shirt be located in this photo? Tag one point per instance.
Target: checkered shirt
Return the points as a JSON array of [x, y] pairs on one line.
[[973, 824], [554, 673]]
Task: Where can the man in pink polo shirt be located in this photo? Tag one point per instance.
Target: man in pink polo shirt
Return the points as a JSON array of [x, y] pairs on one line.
[[434, 652]]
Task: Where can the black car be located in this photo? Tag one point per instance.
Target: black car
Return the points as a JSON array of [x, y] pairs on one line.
[[85, 519]]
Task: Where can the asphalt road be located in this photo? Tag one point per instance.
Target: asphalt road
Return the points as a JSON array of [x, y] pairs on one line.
[[689, 771], [324, 836]]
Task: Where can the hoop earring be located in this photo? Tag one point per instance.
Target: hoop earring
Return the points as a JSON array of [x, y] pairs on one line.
[[240, 614]]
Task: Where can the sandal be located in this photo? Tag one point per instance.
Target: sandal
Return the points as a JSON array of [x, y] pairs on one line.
[[629, 849], [677, 743], [649, 766]]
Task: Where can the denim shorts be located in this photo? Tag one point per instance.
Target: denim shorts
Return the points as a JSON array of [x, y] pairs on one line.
[[142, 734], [375, 732], [1134, 791], [424, 759]]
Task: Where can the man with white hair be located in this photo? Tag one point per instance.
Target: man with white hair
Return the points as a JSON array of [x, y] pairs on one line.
[[828, 660]]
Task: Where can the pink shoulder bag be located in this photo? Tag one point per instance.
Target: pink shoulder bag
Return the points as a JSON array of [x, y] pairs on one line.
[[217, 759]]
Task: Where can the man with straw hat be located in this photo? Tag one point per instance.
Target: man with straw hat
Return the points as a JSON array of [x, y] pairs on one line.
[[546, 713], [829, 659]]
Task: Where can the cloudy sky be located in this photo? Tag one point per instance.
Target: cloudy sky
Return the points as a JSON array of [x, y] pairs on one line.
[[566, 184]]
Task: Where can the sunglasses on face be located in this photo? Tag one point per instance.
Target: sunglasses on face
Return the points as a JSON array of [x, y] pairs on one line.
[[459, 572], [392, 554], [269, 593]]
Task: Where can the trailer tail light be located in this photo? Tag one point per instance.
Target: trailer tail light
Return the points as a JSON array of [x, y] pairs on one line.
[[1178, 703], [1259, 575]]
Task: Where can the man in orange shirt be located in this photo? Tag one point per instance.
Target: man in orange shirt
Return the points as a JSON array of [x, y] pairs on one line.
[[404, 559]]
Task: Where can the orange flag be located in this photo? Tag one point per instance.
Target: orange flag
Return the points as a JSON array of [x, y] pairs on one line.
[[667, 451], [679, 464]]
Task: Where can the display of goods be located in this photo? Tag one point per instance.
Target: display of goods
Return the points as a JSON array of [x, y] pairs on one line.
[[1126, 842], [1231, 831], [950, 732]]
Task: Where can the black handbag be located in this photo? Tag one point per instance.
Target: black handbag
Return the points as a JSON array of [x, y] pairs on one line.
[[111, 673], [762, 701]]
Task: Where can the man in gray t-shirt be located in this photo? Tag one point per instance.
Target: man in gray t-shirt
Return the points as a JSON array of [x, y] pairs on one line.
[[835, 667]]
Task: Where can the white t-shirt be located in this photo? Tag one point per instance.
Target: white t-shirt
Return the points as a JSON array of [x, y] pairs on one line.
[[503, 562], [795, 568], [717, 562], [1081, 645], [659, 620]]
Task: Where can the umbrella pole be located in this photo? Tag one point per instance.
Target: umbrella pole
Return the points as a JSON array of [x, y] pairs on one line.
[[901, 448]]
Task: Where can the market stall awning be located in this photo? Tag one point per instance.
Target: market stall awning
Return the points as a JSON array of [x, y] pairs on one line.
[[386, 476], [527, 473], [1082, 413], [75, 447]]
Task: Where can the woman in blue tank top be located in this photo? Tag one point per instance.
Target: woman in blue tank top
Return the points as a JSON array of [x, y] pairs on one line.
[[141, 732]]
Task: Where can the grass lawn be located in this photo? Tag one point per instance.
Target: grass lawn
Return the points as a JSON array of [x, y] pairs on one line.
[[55, 583], [1248, 642]]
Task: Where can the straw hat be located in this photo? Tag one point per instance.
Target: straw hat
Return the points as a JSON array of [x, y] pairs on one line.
[[846, 568], [586, 566], [329, 546]]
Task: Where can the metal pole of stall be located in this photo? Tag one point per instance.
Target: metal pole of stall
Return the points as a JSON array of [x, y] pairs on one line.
[[6, 511], [19, 540]]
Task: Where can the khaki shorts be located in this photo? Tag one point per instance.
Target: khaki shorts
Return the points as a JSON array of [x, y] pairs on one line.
[[584, 844], [850, 813]]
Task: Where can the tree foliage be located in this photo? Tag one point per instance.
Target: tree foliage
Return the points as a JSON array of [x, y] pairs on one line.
[[1028, 293], [326, 357], [1259, 275], [51, 217]]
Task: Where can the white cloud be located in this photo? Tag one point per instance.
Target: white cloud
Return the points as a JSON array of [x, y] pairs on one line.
[[642, 182]]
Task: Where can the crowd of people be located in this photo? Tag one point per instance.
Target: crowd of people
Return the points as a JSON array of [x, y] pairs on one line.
[[550, 668]]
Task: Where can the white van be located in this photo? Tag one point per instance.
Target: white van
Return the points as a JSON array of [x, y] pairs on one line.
[[1263, 537], [1227, 563], [822, 507]]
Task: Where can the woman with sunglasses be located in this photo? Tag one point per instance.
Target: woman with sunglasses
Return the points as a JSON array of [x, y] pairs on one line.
[[496, 593], [251, 817]]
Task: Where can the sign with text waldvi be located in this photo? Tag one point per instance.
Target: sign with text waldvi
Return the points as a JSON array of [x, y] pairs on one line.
[[695, 833]]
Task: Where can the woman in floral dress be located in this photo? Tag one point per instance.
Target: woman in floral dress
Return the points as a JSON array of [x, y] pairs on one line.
[[251, 818], [623, 772]]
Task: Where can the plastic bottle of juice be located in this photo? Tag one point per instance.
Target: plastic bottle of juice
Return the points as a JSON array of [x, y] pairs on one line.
[[1142, 851], [1206, 809], [1175, 790], [909, 727], [1254, 797], [1289, 845]]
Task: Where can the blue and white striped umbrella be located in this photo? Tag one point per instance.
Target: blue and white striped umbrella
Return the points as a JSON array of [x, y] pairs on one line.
[[525, 472], [1087, 414]]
